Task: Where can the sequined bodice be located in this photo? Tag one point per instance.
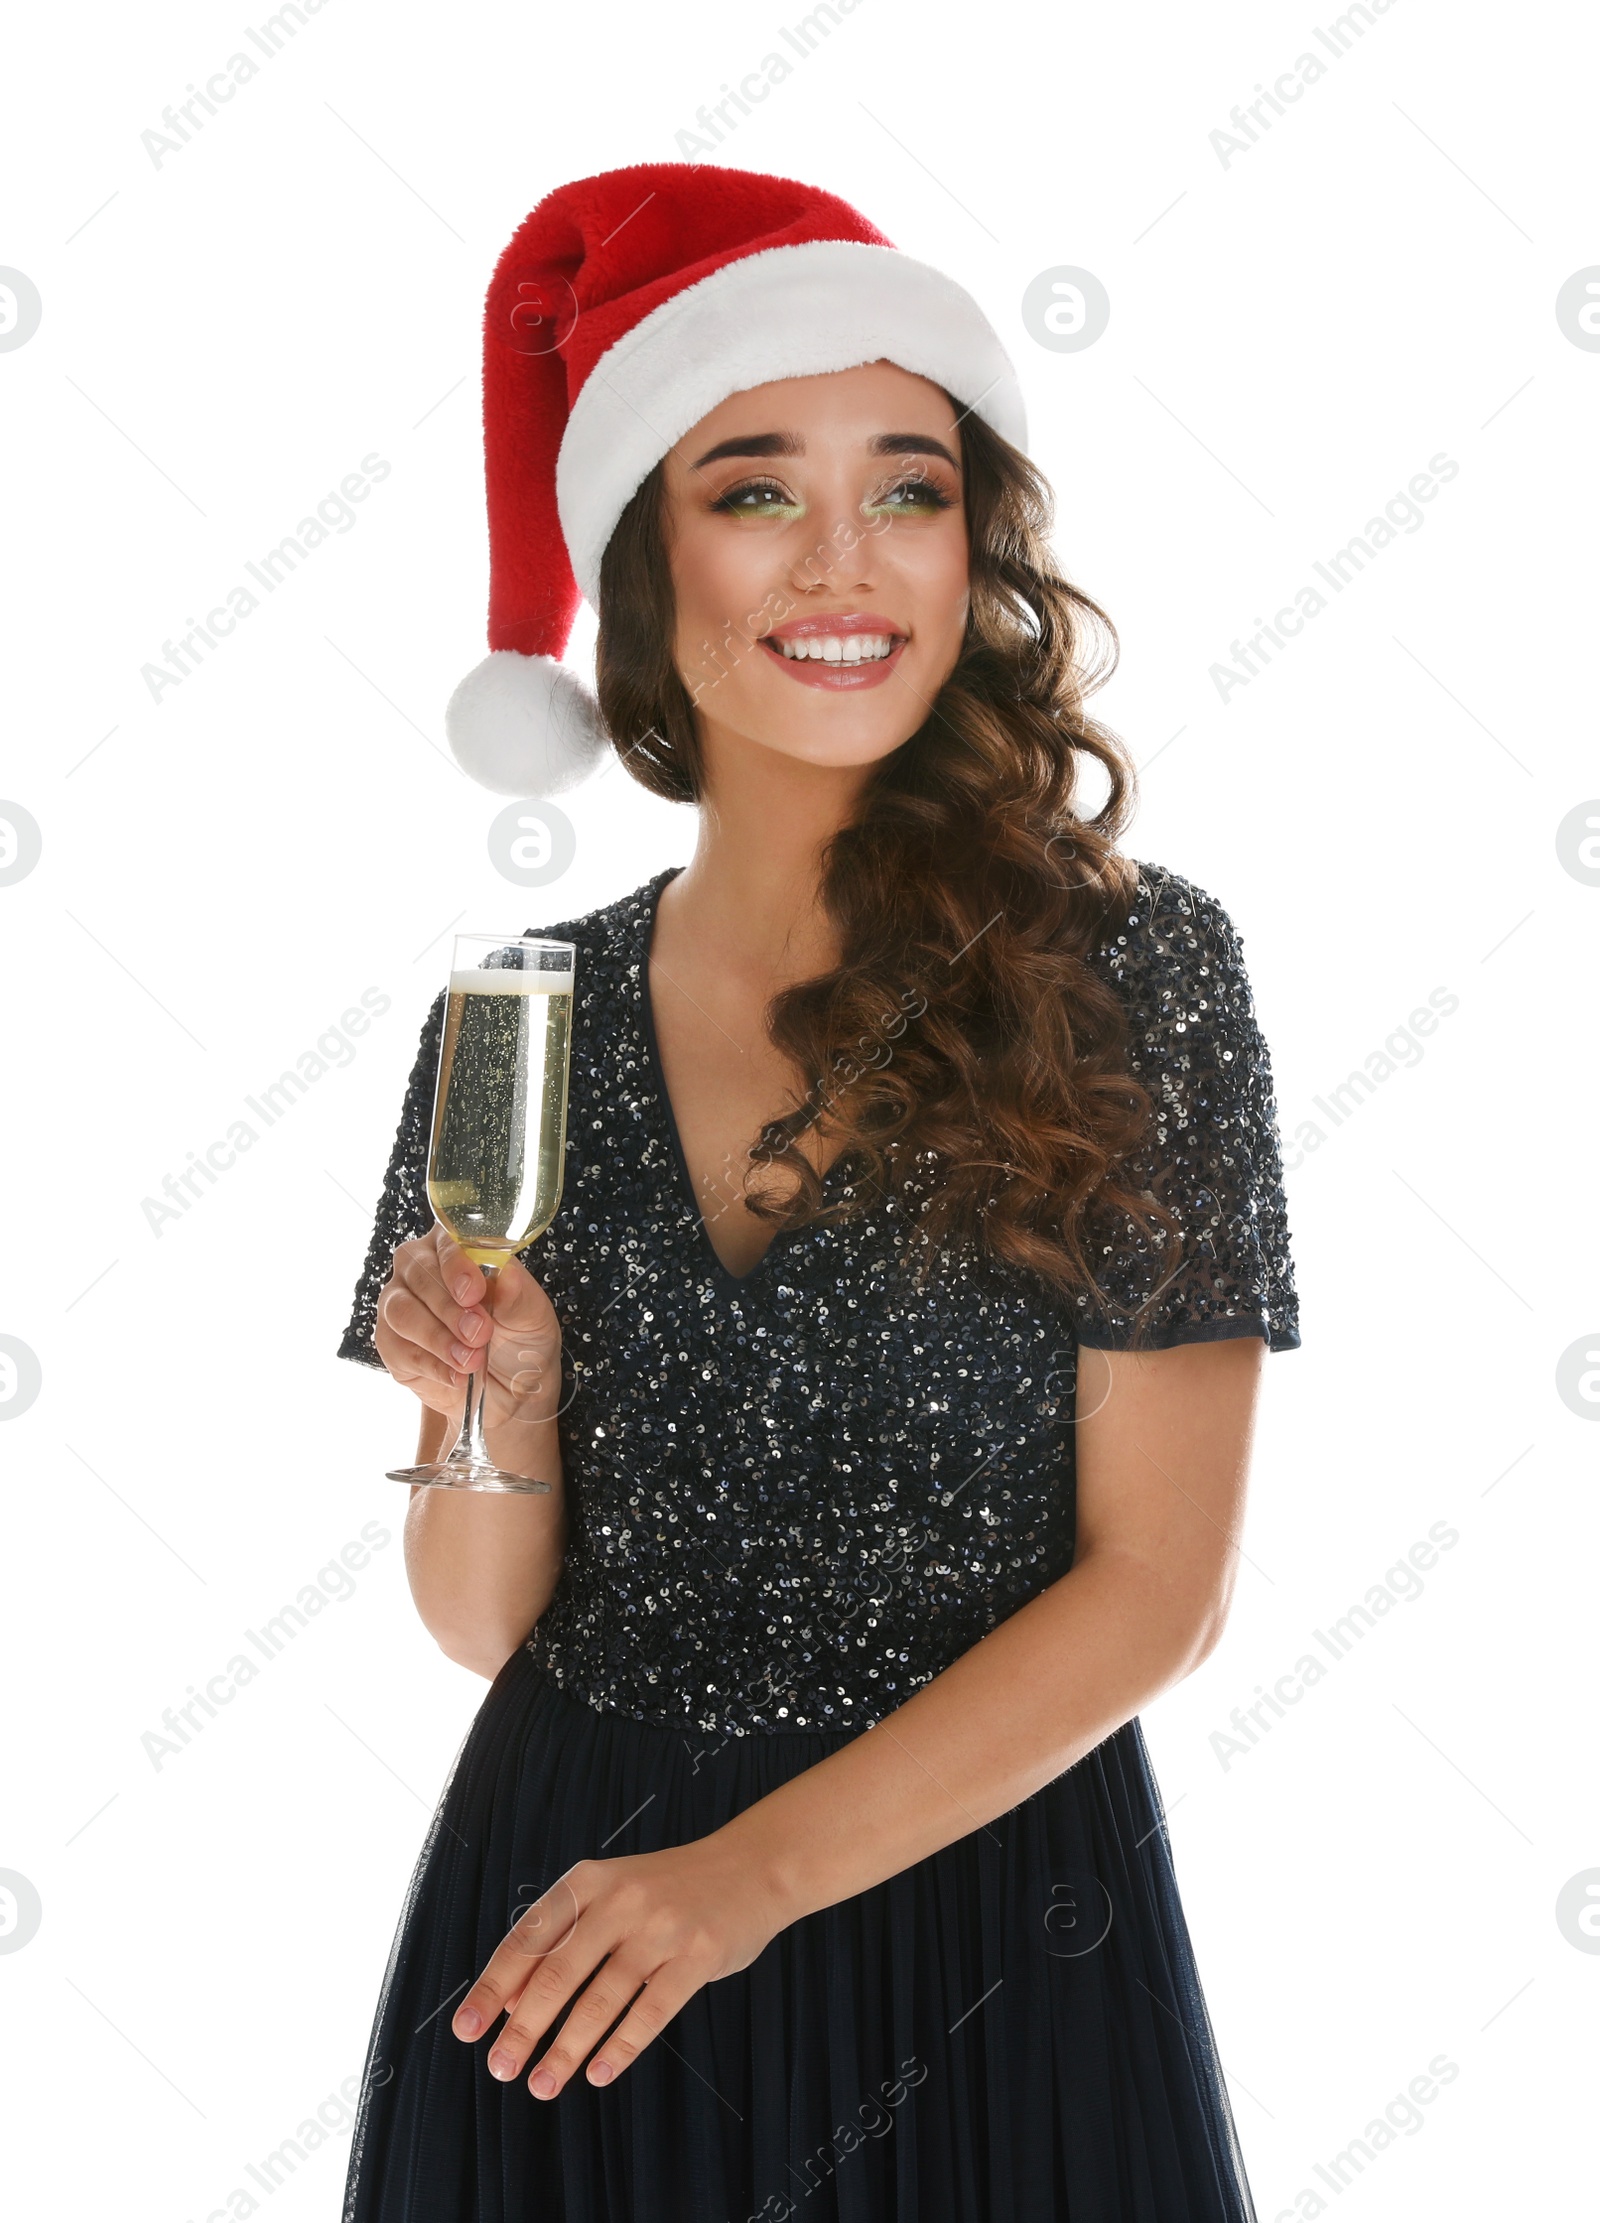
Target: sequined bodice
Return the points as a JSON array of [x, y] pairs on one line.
[[795, 1495]]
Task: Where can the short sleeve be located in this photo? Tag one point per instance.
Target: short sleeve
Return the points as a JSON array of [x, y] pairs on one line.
[[403, 1208], [1212, 1153]]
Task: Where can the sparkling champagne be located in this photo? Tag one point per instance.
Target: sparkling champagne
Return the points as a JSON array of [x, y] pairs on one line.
[[500, 1109]]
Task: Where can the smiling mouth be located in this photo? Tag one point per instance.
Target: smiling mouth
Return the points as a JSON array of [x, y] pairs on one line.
[[836, 649]]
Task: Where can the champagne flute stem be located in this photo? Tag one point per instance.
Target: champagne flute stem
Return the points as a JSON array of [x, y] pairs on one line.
[[470, 1446]]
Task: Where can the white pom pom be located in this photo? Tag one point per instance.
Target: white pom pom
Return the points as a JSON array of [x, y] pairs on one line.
[[524, 725]]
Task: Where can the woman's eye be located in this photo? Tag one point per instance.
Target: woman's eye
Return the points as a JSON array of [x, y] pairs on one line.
[[924, 492], [755, 498]]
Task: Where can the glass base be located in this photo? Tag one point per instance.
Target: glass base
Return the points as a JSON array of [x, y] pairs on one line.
[[465, 1474]]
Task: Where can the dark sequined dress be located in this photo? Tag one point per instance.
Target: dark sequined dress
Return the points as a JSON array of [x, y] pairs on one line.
[[795, 1495]]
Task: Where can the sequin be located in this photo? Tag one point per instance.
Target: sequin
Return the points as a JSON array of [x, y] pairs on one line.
[[797, 1494]]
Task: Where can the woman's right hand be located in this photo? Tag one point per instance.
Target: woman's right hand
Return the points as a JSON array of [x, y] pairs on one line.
[[438, 1317]]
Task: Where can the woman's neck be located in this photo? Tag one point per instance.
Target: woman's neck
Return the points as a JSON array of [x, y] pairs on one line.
[[750, 894]]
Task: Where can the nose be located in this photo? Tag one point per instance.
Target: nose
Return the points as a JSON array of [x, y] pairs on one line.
[[843, 557]]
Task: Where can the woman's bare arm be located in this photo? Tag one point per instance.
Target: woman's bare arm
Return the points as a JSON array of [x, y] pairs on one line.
[[482, 1564]]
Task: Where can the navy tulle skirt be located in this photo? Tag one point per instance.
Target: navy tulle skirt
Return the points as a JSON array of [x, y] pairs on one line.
[[1010, 2031]]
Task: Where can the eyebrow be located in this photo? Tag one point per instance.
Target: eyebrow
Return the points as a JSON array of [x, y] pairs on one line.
[[790, 443]]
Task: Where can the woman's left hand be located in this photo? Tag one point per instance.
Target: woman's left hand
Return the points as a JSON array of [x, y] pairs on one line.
[[666, 1921]]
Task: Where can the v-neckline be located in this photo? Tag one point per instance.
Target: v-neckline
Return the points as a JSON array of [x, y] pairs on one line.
[[784, 1237]]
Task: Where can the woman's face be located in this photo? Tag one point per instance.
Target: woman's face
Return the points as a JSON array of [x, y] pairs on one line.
[[817, 538]]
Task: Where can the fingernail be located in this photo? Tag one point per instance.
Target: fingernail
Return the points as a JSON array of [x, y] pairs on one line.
[[469, 2022], [600, 2073], [501, 2064], [464, 1287], [460, 1353], [544, 2084]]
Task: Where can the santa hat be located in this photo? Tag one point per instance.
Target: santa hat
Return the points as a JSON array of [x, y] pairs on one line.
[[626, 307]]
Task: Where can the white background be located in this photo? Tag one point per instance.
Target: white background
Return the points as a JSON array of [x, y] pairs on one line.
[[1294, 334]]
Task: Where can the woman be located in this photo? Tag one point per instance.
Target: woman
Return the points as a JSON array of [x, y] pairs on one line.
[[894, 1352]]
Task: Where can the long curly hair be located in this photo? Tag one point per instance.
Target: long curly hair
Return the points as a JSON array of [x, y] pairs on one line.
[[963, 1048]]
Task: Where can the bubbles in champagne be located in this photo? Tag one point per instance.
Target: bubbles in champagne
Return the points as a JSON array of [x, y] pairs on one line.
[[500, 1111]]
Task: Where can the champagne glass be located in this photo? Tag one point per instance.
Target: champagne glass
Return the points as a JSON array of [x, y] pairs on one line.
[[499, 1138]]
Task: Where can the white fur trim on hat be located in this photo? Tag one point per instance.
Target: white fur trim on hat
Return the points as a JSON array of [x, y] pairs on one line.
[[524, 725], [787, 312]]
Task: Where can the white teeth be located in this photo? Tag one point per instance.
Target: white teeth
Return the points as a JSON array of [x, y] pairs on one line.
[[831, 648]]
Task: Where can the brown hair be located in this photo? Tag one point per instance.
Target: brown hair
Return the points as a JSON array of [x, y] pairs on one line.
[[964, 1046]]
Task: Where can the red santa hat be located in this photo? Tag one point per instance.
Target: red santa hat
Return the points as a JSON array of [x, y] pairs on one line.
[[625, 307]]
